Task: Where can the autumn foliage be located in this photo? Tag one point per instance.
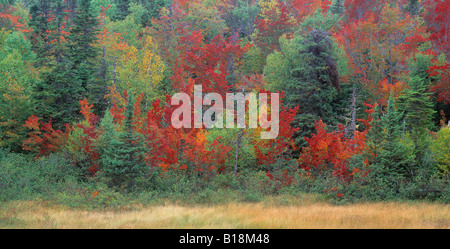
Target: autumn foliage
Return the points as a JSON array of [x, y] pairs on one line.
[[331, 150], [85, 79], [43, 139]]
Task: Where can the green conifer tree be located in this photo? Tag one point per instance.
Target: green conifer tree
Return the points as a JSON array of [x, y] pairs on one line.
[[87, 65], [337, 7], [123, 9], [395, 157], [390, 160], [39, 39], [57, 93], [313, 83], [122, 160], [417, 106]]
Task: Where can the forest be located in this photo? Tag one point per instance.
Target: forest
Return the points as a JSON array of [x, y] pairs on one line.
[[86, 89]]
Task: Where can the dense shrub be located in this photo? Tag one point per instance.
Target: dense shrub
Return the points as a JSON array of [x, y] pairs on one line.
[[56, 178], [22, 177]]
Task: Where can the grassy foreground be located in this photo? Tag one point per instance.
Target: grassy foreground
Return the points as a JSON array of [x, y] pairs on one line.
[[394, 215]]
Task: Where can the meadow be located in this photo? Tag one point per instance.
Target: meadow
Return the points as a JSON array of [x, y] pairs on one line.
[[305, 214]]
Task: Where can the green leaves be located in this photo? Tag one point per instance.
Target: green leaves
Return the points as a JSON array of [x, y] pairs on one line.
[[306, 71], [394, 155], [16, 77], [123, 153], [441, 150]]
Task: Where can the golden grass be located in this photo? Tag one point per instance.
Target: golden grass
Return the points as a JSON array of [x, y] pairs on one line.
[[232, 215]]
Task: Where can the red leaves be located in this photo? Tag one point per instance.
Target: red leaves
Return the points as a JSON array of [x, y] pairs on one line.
[[369, 111], [117, 99], [9, 21], [117, 114], [270, 29], [165, 141], [43, 139], [325, 5], [103, 11], [302, 8], [167, 145], [386, 89], [207, 63], [438, 19], [138, 120], [415, 40], [32, 123], [442, 87], [269, 150], [86, 111], [280, 179], [205, 156], [91, 134], [331, 150], [379, 45]]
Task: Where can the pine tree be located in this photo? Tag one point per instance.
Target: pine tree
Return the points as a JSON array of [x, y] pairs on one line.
[[390, 160], [85, 55], [395, 157], [122, 160], [337, 7], [57, 96], [123, 9], [57, 93], [111, 166], [39, 39], [416, 103], [82, 38], [313, 83]]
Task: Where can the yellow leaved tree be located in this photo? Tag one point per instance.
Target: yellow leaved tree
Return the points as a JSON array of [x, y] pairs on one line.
[[141, 70], [441, 150]]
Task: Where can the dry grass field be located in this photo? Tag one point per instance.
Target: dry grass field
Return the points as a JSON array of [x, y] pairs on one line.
[[233, 215]]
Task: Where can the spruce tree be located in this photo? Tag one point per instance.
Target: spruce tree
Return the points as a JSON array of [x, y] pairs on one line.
[[313, 83], [337, 7], [39, 39], [416, 103], [395, 156], [57, 93], [123, 10], [122, 160], [391, 160], [85, 56]]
